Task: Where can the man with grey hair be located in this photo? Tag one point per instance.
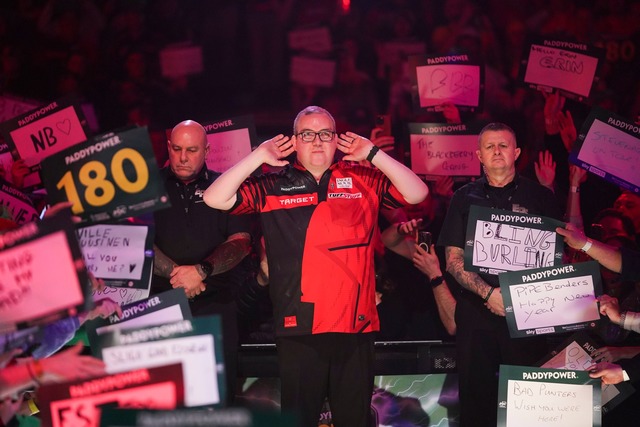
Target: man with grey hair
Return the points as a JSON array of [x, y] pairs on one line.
[[318, 217]]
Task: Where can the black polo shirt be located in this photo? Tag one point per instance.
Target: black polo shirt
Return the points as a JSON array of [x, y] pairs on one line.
[[189, 231]]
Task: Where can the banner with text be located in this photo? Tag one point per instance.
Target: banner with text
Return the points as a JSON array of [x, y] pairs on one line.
[[121, 254], [440, 149], [166, 307], [17, 204], [109, 177], [453, 78], [42, 273], [43, 132], [609, 146], [500, 240], [79, 403], [229, 141], [575, 353], [196, 343], [551, 300], [570, 67], [534, 397]]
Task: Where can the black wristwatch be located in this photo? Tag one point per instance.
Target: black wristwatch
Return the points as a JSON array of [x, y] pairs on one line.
[[436, 281], [207, 268]]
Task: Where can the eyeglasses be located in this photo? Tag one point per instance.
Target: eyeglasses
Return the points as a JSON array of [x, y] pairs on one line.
[[310, 136]]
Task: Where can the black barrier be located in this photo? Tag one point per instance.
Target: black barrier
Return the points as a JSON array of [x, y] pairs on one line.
[[391, 358]]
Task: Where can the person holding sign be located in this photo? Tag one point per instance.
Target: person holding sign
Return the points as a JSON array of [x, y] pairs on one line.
[[318, 218], [483, 340], [195, 247]]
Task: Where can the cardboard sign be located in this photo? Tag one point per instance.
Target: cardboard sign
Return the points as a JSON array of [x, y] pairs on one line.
[[312, 71], [317, 40], [222, 417], [453, 78], [79, 403], [196, 343], [181, 60], [43, 132], [42, 273], [569, 67], [17, 203], [444, 150], [109, 177], [500, 240], [121, 254], [551, 300], [229, 141], [121, 295], [575, 353], [609, 146], [167, 307], [534, 397], [12, 106]]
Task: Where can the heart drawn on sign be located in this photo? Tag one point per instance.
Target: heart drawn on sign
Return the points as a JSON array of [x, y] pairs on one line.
[[123, 292], [64, 126]]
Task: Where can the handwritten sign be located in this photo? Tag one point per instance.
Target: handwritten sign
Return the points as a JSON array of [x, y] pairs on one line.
[[609, 146], [575, 353], [17, 203], [551, 300], [534, 397], [229, 141], [109, 177], [499, 240], [121, 254], [196, 343], [121, 296], [181, 60], [317, 40], [44, 131], [166, 307], [444, 150], [312, 71], [79, 402], [567, 66], [453, 78], [39, 283]]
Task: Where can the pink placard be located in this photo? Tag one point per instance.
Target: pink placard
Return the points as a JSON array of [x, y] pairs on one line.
[[48, 135]]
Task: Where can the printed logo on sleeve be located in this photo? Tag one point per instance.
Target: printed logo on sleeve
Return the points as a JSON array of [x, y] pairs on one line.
[[290, 322]]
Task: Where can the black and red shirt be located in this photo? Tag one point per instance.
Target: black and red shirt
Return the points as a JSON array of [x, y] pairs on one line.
[[318, 242]]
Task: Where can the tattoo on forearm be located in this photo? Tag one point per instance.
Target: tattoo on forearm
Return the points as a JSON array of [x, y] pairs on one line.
[[229, 254], [469, 280], [162, 264]]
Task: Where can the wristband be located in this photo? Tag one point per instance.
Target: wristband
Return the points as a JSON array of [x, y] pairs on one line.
[[575, 189], [373, 152], [486, 298], [586, 246], [436, 281]]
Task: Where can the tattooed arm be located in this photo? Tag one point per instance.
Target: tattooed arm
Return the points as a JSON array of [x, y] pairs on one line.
[[472, 281], [226, 256], [162, 264], [229, 253]]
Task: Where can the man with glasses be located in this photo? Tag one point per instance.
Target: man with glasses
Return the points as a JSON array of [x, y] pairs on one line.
[[319, 218]]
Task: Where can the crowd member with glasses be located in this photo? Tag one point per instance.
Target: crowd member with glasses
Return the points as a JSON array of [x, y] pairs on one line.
[[318, 217]]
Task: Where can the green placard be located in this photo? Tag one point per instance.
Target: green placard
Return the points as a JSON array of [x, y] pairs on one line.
[[534, 397]]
